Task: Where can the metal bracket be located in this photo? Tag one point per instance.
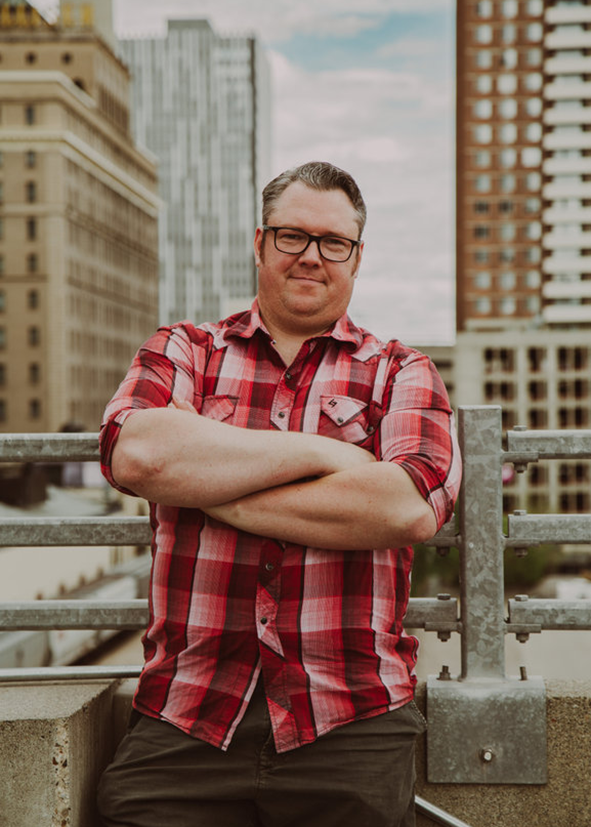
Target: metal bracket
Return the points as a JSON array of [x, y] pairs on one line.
[[486, 731]]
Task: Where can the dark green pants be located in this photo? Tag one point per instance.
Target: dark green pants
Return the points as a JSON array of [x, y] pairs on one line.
[[359, 775]]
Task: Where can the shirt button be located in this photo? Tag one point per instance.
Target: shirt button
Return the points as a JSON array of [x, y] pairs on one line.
[[288, 375], [269, 566], [264, 621], [281, 415]]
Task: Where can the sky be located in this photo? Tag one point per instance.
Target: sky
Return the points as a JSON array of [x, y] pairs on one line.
[[369, 86]]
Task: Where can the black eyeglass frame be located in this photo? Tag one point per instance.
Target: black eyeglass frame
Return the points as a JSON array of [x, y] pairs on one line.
[[317, 238]]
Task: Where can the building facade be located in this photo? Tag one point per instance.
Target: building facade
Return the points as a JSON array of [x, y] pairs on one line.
[[201, 104], [78, 222], [524, 226]]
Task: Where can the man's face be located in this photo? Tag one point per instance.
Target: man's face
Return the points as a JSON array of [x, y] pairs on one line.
[[305, 294]]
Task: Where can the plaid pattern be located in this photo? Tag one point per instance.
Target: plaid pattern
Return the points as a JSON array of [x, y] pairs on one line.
[[324, 626]]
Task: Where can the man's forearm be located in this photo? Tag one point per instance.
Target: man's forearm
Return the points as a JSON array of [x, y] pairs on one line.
[[375, 506], [176, 457]]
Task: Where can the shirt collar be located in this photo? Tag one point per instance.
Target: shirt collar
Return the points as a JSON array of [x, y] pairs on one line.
[[244, 325]]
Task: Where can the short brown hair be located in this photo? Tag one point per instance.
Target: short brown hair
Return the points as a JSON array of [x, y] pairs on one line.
[[319, 175]]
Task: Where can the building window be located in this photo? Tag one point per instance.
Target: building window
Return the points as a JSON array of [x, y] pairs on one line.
[[535, 8], [34, 336], [507, 232], [31, 159], [2, 410], [67, 57], [484, 8], [31, 57], [31, 192], [533, 230], [484, 59], [508, 108], [484, 34], [509, 33], [533, 279], [31, 229], [32, 263], [537, 359], [30, 115], [533, 107], [508, 281], [482, 183], [534, 32], [34, 373], [482, 158], [509, 8], [507, 84], [532, 205], [1, 265], [507, 255], [481, 231], [484, 84], [481, 206], [507, 183], [483, 306], [2, 337], [1, 229], [483, 109], [508, 157], [33, 299], [505, 207], [508, 306], [34, 409], [2, 301], [483, 280], [483, 133], [533, 181], [508, 133], [2, 374], [481, 256], [509, 58]]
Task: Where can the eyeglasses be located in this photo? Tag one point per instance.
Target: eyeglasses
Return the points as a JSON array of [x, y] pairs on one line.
[[294, 242]]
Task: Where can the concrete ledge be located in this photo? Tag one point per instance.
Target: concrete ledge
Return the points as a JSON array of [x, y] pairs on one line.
[[564, 800], [56, 739]]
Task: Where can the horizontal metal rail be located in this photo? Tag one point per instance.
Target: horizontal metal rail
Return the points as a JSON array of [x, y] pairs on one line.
[[433, 614], [60, 673], [563, 444], [75, 531], [538, 614], [49, 448], [539, 529]]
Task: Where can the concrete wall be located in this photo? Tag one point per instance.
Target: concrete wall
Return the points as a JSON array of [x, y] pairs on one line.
[[57, 738]]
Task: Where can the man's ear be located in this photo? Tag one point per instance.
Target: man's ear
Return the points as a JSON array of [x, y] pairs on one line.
[[359, 253], [258, 244]]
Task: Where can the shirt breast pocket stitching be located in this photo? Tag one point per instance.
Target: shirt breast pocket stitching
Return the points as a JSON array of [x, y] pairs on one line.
[[219, 407]]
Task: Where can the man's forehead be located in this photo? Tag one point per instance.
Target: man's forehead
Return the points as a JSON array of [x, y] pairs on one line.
[[301, 203]]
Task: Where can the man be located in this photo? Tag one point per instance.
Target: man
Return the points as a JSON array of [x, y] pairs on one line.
[[290, 459]]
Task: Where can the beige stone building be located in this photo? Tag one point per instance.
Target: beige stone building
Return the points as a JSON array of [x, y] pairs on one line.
[[78, 220]]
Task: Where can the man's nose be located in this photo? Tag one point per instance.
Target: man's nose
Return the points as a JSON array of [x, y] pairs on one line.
[[312, 252]]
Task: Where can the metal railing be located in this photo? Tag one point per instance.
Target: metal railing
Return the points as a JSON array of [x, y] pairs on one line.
[[460, 748]]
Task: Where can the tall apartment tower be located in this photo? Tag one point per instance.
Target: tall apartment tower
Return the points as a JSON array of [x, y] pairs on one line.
[[524, 226], [78, 221], [523, 163], [201, 104]]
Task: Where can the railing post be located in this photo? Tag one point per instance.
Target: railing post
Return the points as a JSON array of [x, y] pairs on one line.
[[484, 727], [481, 529]]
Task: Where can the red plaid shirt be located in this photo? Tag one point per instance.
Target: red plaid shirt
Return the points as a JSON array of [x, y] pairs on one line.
[[324, 626]]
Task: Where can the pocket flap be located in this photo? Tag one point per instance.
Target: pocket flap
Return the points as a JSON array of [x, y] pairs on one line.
[[218, 407], [341, 409]]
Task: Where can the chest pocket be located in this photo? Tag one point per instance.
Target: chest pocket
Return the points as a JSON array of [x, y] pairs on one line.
[[218, 407], [345, 418]]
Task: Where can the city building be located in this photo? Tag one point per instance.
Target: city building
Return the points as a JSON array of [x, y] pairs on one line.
[[78, 220], [524, 226], [201, 104]]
